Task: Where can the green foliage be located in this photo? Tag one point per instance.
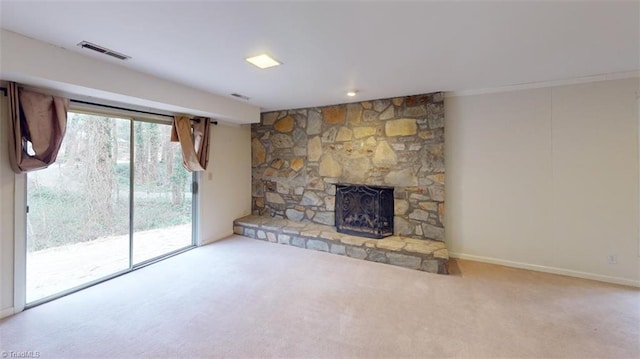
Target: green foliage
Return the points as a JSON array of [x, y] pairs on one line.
[[85, 195]]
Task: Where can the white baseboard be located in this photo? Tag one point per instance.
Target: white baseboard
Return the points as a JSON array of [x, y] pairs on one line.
[[216, 238], [7, 312], [554, 270]]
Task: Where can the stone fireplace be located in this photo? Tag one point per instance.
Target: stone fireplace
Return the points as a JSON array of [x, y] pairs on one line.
[[299, 155], [365, 211]]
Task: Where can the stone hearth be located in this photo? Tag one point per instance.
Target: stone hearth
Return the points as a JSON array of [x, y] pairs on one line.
[[425, 255]]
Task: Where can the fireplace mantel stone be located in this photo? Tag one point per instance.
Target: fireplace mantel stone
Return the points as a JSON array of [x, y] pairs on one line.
[[425, 255], [298, 156]]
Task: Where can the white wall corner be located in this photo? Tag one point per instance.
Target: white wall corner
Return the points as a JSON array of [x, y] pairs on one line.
[[216, 238], [7, 312]]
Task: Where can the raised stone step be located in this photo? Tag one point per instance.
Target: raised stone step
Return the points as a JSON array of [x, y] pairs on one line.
[[425, 255]]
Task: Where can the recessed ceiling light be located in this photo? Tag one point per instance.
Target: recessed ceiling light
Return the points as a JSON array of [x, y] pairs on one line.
[[263, 61], [352, 93]]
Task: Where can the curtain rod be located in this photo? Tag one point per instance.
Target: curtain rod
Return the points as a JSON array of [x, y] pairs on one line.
[[4, 91], [128, 109]]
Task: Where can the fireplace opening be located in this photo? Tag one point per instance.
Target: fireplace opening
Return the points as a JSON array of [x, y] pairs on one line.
[[365, 211]]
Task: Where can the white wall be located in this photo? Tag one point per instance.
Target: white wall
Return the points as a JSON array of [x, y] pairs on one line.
[[6, 215], [225, 188], [37, 63], [546, 179]]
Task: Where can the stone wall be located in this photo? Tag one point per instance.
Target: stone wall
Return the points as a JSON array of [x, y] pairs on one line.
[[298, 156]]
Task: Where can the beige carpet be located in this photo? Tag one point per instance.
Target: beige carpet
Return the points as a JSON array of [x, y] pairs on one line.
[[246, 298]]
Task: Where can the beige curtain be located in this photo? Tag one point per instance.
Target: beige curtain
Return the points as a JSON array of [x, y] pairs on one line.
[[37, 125], [194, 141]]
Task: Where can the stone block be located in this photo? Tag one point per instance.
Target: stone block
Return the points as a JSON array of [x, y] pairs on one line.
[[310, 199], [314, 123], [329, 167], [390, 244], [400, 207], [355, 171], [437, 193], [403, 260], [300, 151], [250, 232], [377, 256], [284, 238], [281, 140], [389, 113], [380, 105], [327, 218], [238, 230], [369, 116], [419, 215], [317, 245], [433, 232], [437, 122], [258, 152], [309, 213], [330, 203], [269, 118], [401, 127], [361, 132], [439, 178], [297, 164], [370, 142], [310, 233], [402, 227], [338, 249], [261, 234], [430, 265], [426, 135], [294, 214], [384, 155], [415, 111], [442, 253], [344, 134], [284, 124], [403, 177], [274, 198], [397, 101], [271, 237], [314, 149], [428, 206], [354, 113], [356, 252], [329, 136], [283, 188], [297, 242], [333, 115]]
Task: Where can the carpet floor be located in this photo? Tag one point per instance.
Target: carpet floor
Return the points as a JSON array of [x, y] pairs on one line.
[[243, 298]]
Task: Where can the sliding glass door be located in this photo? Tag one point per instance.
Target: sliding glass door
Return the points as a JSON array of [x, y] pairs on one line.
[[162, 201], [117, 197]]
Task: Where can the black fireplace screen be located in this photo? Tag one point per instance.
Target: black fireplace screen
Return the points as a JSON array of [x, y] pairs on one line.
[[364, 210]]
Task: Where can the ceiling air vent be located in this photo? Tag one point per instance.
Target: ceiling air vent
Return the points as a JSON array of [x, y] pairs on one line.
[[103, 50], [240, 96]]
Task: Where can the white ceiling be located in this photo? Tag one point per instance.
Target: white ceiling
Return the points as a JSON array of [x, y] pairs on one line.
[[382, 49]]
